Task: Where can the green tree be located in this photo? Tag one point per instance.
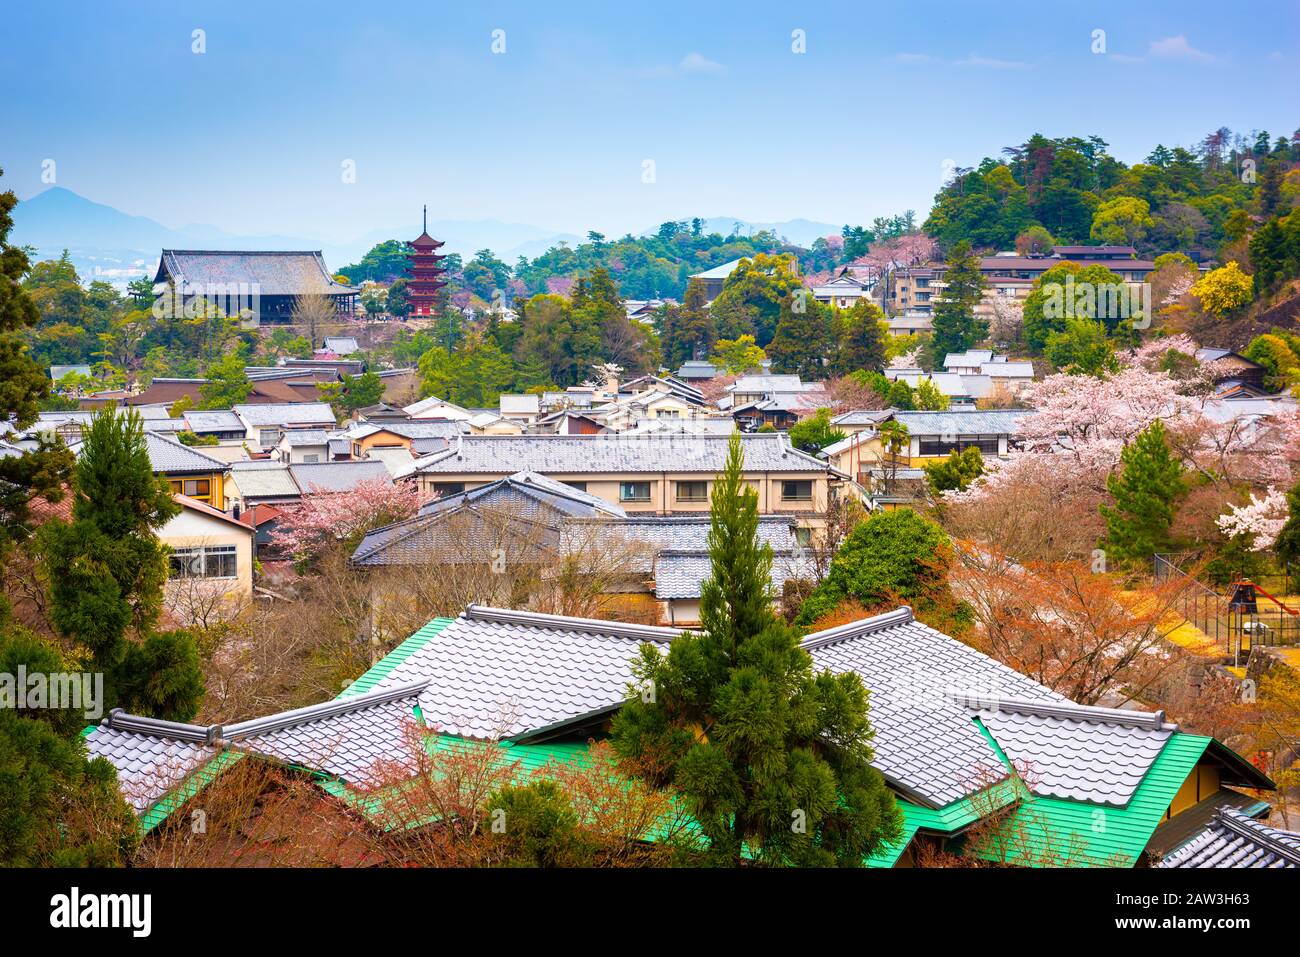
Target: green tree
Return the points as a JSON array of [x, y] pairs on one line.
[[751, 297], [1122, 221], [893, 556], [687, 330], [926, 397], [228, 383], [23, 387], [956, 327], [540, 827], [772, 759], [804, 338], [956, 472], [738, 356], [474, 375], [1083, 348], [861, 333], [815, 432], [106, 570], [352, 392], [1146, 492], [1287, 546]]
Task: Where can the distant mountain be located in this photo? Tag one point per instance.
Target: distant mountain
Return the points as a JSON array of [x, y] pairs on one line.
[[801, 232], [104, 242]]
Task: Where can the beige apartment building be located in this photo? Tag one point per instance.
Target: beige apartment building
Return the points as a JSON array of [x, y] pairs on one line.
[[654, 474]]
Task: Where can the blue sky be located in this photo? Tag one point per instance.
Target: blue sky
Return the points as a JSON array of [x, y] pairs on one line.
[[251, 135]]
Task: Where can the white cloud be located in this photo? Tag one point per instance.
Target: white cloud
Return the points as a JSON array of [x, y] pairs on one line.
[[1177, 48], [699, 63]]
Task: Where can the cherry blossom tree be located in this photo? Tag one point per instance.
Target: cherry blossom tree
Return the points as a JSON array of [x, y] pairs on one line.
[[325, 518], [1261, 518]]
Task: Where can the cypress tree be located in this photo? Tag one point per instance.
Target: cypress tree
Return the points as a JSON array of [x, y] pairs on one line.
[[771, 758], [1146, 492]]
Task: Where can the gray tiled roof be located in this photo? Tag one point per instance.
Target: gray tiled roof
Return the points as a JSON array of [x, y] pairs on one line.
[[509, 672], [1235, 840], [862, 417], [286, 413], [485, 515], [148, 766], [169, 457], [264, 480], [352, 738], [274, 273], [1082, 754], [412, 428], [679, 574], [747, 384], [973, 422], [300, 437], [338, 476], [595, 454], [217, 421], [926, 742], [347, 737]]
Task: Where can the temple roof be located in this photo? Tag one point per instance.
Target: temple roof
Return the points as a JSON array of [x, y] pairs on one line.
[[275, 272]]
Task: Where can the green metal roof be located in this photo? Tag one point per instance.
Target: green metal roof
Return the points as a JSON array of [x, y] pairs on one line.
[[1055, 832], [948, 819], [386, 664]]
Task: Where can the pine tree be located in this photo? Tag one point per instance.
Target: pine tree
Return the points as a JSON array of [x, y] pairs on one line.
[[772, 759], [956, 327], [107, 569], [1146, 491]]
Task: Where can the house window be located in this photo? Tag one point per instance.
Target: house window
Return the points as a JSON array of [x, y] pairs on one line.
[[803, 537], [311, 459], [634, 491], [448, 488], [800, 491], [194, 488], [209, 561], [269, 438], [579, 486], [988, 445], [692, 491]]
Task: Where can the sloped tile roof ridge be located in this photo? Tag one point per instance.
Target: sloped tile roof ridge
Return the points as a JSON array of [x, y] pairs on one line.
[[315, 712], [1057, 709], [565, 623], [1259, 834], [119, 720], [854, 629]]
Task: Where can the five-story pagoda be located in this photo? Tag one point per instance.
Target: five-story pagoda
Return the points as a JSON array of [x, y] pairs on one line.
[[425, 271]]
